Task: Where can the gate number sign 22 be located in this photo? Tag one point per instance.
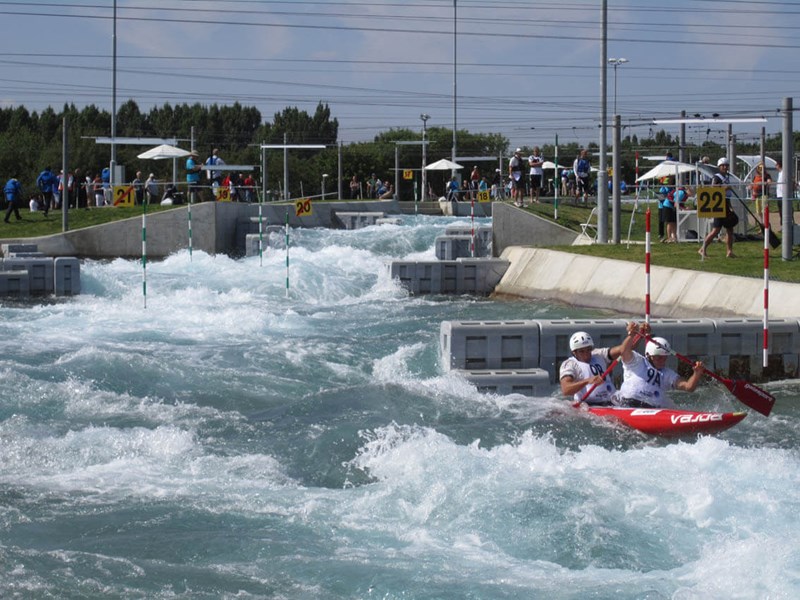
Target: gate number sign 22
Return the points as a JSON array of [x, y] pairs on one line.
[[711, 202]]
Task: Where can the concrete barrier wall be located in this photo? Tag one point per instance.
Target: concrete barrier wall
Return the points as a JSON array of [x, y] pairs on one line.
[[619, 286], [462, 276], [515, 227], [25, 273], [217, 228], [732, 347]]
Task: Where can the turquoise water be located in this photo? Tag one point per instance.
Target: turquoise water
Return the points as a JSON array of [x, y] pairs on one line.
[[230, 442]]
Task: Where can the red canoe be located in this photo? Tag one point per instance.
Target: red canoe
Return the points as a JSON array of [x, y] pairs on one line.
[[668, 422]]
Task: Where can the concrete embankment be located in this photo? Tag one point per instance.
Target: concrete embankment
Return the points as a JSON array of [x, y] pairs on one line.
[[217, 228], [619, 286]]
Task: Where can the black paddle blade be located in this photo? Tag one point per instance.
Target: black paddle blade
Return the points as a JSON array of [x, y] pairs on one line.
[[774, 240], [751, 395]]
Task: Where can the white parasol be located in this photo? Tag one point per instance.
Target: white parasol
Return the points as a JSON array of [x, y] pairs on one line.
[[443, 165], [668, 168], [163, 151]]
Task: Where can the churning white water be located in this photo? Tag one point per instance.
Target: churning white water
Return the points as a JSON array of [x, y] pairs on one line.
[[228, 441]]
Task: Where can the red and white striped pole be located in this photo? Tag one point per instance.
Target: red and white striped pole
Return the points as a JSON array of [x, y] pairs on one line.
[[766, 284], [647, 266]]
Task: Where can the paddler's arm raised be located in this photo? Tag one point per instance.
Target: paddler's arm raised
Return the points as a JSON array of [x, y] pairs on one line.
[[625, 349]]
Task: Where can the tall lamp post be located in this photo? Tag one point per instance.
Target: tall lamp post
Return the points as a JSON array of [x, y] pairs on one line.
[[616, 62], [424, 194]]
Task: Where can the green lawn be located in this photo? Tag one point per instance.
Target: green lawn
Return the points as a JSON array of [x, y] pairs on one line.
[[36, 224], [750, 253]]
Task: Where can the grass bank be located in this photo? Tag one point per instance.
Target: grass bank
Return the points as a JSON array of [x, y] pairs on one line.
[[749, 261], [36, 224]]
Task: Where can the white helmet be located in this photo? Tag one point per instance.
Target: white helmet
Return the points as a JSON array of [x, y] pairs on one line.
[[657, 346], [723, 161], [580, 339]]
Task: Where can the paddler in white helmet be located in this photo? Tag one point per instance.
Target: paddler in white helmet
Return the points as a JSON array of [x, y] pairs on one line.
[[647, 380], [584, 369]]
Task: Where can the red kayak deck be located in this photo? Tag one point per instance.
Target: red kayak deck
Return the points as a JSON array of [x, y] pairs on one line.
[[668, 422]]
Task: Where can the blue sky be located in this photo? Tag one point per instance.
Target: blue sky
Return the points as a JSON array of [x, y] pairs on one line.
[[528, 71]]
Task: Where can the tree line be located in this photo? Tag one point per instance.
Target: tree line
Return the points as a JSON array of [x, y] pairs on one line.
[[31, 141]]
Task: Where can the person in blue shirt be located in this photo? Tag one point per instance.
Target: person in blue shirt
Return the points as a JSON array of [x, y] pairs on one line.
[[13, 193], [193, 168], [45, 182]]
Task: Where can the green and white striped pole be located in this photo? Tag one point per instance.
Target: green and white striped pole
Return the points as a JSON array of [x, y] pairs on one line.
[[191, 200], [260, 236], [144, 252], [287, 251], [556, 181]]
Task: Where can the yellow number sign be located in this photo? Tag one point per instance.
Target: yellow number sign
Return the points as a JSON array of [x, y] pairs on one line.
[[123, 195], [484, 196], [302, 208], [710, 202], [408, 174], [222, 193]]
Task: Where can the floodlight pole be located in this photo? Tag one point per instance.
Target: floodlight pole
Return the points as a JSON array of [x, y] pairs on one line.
[[113, 102], [788, 181], [455, 80], [602, 176], [424, 194], [616, 62]]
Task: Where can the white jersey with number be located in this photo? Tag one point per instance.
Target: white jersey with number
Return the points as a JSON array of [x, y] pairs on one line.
[[644, 383], [597, 365]]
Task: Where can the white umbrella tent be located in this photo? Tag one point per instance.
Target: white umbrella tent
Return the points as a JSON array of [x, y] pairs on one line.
[[443, 165], [668, 168], [164, 152]]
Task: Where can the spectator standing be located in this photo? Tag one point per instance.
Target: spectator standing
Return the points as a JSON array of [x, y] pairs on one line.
[[249, 189], [582, 169], [193, 169], [730, 220], [81, 191], [498, 189], [138, 189], [45, 182], [151, 187], [535, 162], [371, 187], [515, 170], [565, 188], [355, 187], [760, 188], [99, 194], [781, 184], [670, 212], [13, 193], [214, 159], [452, 189], [474, 180]]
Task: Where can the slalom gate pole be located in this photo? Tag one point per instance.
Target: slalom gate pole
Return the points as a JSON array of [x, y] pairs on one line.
[[647, 266], [287, 251], [189, 212], [556, 182], [472, 220], [260, 237], [635, 202], [767, 231], [144, 252]]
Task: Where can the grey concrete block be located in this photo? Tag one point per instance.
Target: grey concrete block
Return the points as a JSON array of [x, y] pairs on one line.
[[67, 276], [14, 284]]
